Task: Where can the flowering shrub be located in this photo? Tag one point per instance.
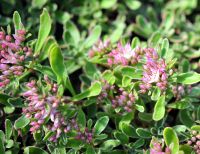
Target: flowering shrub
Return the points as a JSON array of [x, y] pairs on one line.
[[110, 95]]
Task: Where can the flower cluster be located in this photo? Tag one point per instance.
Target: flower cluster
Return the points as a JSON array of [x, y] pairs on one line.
[[158, 149], [106, 88], [12, 55], [85, 135], [42, 106], [43, 109], [194, 142], [154, 71], [178, 91], [124, 55], [124, 100], [98, 48]]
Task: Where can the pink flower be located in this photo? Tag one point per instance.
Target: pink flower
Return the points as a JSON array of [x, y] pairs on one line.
[[154, 71], [43, 109], [99, 48], [124, 100], [123, 55], [157, 148], [12, 56]]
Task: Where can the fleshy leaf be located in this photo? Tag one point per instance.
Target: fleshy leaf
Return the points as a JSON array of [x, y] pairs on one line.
[[21, 122], [171, 139], [94, 90], [34, 150], [159, 109], [8, 128], [188, 78], [57, 64], [93, 37], [100, 125], [44, 30]]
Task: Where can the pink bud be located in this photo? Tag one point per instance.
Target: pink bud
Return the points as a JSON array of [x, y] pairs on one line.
[[21, 32], [4, 66], [8, 38], [41, 121]]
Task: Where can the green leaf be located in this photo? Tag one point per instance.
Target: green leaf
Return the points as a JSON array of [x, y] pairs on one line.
[[38, 3], [126, 119], [16, 102], [117, 33], [140, 142], [94, 90], [93, 37], [47, 136], [144, 133], [8, 128], [17, 21], [169, 21], [186, 149], [128, 71], [145, 116], [182, 104], [185, 65], [140, 108], [133, 4], [37, 136], [164, 47], [45, 70], [8, 109], [21, 122], [129, 130], [109, 145], [49, 42], [2, 140], [4, 99], [159, 109], [142, 27], [101, 137], [171, 63], [109, 76], [171, 139], [44, 30], [81, 120], [154, 39], [126, 80], [62, 150], [100, 125], [91, 70], [62, 17], [131, 72], [196, 128], [152, 14], [188, 78], [105, 4], [135, 42], [74, 143], [180, 128], [34, 150], [9, 143], [71, 34], [57, 64], [121, 137], [90, 150], [72, 151], [186, 118], [156, 94]]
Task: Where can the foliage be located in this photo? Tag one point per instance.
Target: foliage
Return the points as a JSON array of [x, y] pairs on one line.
[[99, 76]]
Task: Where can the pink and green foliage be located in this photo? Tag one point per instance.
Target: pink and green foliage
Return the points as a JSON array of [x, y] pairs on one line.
[[133, 89]]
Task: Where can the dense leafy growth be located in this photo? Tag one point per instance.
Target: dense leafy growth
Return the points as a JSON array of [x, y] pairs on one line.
[[99, 77]]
